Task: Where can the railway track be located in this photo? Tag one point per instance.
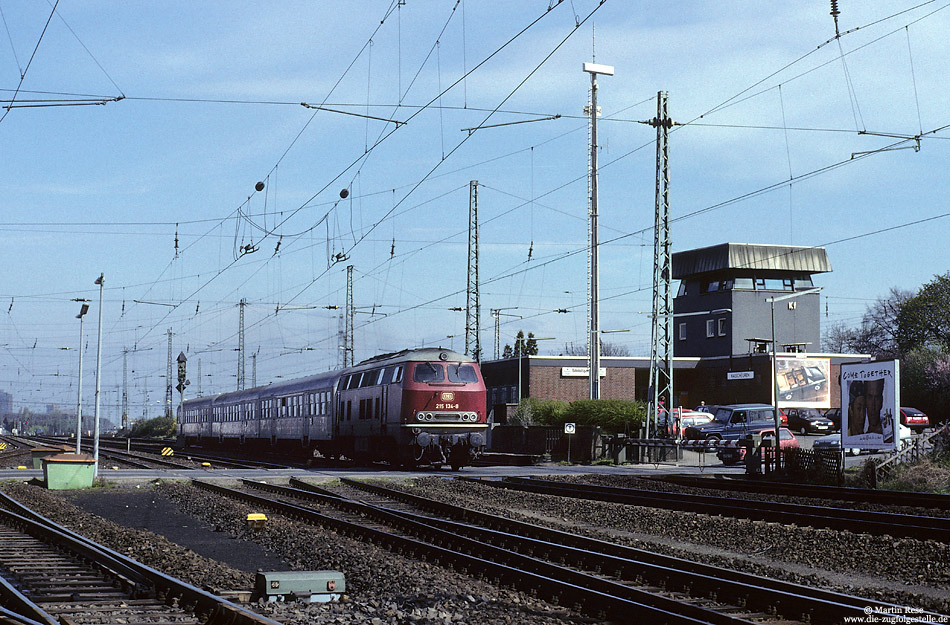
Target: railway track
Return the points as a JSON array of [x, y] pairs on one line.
[[54, 576], [831, 493], [643, 587], [859, 521]]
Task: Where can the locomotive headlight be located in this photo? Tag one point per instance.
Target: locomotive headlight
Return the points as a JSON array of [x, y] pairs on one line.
[[420, 416], [428, 416]]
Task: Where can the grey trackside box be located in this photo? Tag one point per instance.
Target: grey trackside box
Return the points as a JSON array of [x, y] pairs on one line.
[[312, 586]]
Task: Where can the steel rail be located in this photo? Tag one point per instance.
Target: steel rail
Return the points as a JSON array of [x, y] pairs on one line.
[[821, 606], [135, 575], [17, 605], [857, 521], [592, 595], [839, 493]]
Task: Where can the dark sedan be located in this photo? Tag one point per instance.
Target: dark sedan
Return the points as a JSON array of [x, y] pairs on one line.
[[808, 421], [834, 414]]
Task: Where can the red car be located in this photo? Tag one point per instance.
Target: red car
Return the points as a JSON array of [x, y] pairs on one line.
[[787, 440], [914, 419]]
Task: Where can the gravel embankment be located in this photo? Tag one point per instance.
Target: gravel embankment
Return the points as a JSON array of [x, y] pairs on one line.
[[382, 587], [903, 571]]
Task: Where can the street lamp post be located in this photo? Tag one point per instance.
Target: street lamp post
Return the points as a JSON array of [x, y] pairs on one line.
[[95, 429], [775, 411], [594, 337], [82, 311]]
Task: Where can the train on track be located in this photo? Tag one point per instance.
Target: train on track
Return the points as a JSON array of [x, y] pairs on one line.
[[413, 407]]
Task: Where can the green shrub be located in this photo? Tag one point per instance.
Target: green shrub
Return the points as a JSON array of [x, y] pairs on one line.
[[159, 427], [539, 412], [611, 415]]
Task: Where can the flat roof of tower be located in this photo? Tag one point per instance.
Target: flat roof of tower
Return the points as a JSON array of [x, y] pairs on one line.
[[752, 256]]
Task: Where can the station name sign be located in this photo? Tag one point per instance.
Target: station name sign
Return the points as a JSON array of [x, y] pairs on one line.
[[580, 372], [740, 375]]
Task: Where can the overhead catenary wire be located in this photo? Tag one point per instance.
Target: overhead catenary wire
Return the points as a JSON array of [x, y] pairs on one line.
[[849, 131], [24, 71]]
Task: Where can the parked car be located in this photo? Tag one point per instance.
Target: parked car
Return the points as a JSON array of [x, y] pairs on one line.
[[832, 444], [691, 418], [732, 422], [808, 421], [834, 415], [787, 440], [681, 420], [914, 419]]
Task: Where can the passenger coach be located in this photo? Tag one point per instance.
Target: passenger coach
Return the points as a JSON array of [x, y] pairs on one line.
[[420, 406]]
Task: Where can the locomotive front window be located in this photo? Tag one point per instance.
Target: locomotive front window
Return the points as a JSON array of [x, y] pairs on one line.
[[428, 372], [462, 373]]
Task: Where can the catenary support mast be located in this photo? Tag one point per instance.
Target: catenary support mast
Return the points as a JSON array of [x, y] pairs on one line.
[[661, 352]]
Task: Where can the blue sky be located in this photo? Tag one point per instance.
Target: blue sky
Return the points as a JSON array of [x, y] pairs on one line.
[[772, 108]]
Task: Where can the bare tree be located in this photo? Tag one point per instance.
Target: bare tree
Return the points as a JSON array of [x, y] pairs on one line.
[[606, 349]]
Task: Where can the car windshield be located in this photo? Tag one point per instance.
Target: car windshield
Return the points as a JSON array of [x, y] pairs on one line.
[[722, 416], [809, 413]]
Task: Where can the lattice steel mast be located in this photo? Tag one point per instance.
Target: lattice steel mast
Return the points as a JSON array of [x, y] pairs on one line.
[[472, 307], [661, 352], [350, 312], [241, 369], [125, 389], [168, 377]]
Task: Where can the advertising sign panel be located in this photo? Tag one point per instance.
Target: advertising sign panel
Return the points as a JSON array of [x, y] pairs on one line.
[[870, 400], [804, 382]]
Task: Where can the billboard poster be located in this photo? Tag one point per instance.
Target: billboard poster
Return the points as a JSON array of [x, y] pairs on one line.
[[804, 382], [870, 400]]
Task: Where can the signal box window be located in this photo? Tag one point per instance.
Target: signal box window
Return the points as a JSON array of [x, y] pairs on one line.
[[428, 372], [462, 373], [683, 331], [721, 322], [710, 328]]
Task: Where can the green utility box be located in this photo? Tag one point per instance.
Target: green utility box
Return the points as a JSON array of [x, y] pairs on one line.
[[39, 453], [310, 586], [69, 471]]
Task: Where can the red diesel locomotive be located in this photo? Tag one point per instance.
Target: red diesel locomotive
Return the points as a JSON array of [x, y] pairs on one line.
[[417, 406]]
